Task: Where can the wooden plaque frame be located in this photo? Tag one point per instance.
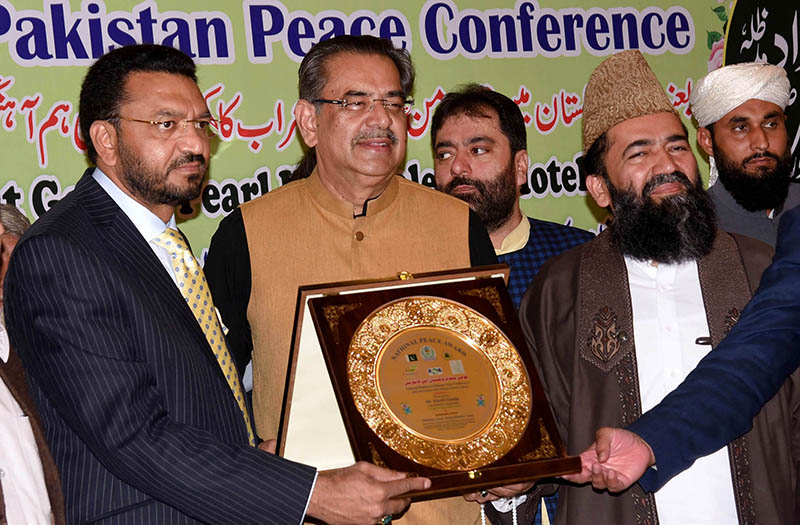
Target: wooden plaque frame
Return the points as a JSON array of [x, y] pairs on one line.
[[320, 423]]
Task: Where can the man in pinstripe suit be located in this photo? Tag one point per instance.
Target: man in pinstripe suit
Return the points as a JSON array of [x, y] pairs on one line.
[[140, 418]]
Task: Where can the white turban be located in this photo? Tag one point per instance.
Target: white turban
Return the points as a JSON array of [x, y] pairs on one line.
[[727, 88]]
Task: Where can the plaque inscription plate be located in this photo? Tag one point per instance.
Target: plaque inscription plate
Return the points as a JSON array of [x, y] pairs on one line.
[[439, 383]]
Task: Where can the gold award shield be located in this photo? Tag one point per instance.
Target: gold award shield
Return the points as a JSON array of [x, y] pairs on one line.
[[439, 383]]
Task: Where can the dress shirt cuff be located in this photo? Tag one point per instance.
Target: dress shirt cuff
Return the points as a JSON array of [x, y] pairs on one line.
[[313, 484]]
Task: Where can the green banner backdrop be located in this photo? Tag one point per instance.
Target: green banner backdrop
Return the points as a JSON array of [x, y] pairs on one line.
[[538, 52]]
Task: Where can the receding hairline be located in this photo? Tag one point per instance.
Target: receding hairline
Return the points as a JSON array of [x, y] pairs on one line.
[[354, 54], [125, 95]]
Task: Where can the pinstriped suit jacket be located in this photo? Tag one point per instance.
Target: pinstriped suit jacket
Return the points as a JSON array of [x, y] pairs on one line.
[[139, 417]]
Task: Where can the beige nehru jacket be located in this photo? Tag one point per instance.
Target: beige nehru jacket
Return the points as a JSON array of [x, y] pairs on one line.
[[302, 234]]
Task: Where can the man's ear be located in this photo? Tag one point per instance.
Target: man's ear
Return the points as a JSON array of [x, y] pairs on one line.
[[704, 139], [599, 190], [105, 140], [521, 167], [305, 114]]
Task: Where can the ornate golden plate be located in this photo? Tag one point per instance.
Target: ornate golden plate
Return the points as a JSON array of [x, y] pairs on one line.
[[439, 383]]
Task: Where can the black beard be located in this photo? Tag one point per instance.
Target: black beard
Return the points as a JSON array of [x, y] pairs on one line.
[[495, 200], [764, 191], [676, 229], [153, 188]]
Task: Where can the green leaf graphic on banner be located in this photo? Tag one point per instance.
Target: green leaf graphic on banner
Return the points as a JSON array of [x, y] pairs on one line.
[[721, 14], [713, 36]]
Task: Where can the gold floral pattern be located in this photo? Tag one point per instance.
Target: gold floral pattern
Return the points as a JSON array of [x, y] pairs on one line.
[[514, 390]]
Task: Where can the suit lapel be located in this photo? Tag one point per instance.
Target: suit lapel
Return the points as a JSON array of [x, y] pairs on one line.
[[130, 252]]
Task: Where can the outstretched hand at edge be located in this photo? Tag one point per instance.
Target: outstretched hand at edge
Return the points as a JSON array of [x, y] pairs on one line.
[[615, 461]]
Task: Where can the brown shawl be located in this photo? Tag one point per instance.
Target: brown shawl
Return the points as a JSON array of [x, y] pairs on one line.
[[13, 376], [587, 359]]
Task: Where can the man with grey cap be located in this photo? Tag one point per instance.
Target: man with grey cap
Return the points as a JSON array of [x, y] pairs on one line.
[[618, 322], [740, 111]]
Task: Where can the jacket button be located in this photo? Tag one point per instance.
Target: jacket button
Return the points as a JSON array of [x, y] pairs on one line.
[[359, 236]]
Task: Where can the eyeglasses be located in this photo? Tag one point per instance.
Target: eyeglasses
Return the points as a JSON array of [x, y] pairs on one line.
[[395, 106], [169, 129]]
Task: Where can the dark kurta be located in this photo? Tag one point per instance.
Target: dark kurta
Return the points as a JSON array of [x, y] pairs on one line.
[[585, 352]]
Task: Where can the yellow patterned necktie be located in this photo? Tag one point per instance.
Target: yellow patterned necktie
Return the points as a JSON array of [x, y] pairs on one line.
[[193, 286]]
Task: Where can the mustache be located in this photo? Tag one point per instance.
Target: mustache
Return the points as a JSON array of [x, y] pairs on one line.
[[766, 154], [664, 178], [376, 134], [187, 159], [460, 180]]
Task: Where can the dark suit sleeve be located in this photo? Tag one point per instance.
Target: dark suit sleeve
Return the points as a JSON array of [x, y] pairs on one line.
[[73, 318], [481, 251], [718, 400], [227, 270]]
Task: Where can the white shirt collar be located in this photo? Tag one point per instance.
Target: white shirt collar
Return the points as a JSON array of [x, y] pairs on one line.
[[147, 222], [649, 269]]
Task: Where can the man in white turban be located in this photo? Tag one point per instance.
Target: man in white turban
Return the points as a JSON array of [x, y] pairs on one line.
[[740, 111]]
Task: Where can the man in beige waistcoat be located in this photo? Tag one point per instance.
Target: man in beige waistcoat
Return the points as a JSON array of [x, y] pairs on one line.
[[352, 218]]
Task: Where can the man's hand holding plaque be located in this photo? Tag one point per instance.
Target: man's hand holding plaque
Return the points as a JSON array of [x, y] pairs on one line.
[[369, 484]]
